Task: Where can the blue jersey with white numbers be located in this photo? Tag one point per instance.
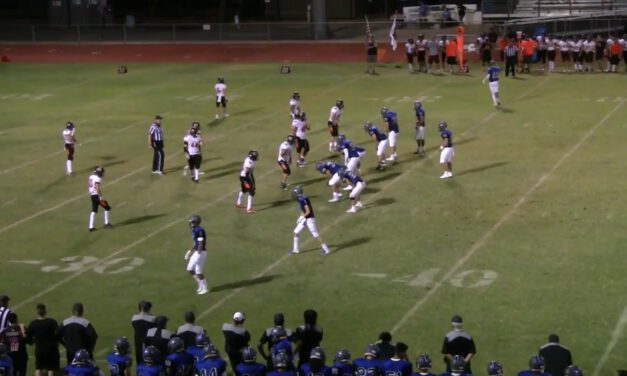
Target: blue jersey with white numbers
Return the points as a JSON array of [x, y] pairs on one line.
[[307, 370], [355, 152], [302, 202], [211, 367], [197, 352], [282, 373], [420, 113], [396, 367], [423, 374], [390, 118], [81, 370], [250, 369], [366, 367], [493, 73], [144, 369], [198, 235], [346, 143], [117, 363], [179, 364], [352, 178], [529, 373], [342, 369], [284, 345], [447, 134], [6, 366], [380, 136]]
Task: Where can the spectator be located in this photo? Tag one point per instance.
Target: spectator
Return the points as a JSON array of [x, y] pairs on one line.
[[423, 11], [14, 338], [385, 345], [4, 311], [446, 17], [458, 342], [371, 57], [189, 330], [267, 340], [486, 47], [142, 322], [76, 333], [42, 333], [159, 336], [308, 336], [461, 11], [556, 357], [236, 337]]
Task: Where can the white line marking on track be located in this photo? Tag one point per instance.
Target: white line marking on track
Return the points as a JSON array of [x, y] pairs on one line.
[[370, 275], [509, 214], [616, 334]]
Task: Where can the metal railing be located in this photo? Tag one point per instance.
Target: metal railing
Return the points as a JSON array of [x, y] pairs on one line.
[[604, 23]]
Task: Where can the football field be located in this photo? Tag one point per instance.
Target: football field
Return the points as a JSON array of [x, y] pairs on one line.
[[527, 239]]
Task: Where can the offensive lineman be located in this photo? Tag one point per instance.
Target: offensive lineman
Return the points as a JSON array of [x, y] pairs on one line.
[[247, 180], [220, 89], [69, 140], [191, 147], [93, 185], [333, 123], [391, 120], [306, 219], [332, 169], [198, 254], [381, 140], [284, 159]]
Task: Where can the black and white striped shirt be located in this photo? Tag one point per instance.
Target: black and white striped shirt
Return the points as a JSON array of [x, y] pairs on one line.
[[510, 51], [4, 313], [156, 133]]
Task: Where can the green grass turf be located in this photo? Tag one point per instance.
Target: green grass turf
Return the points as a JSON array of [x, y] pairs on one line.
[[547, 220]]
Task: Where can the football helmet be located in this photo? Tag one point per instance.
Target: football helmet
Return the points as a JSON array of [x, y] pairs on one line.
[[69, 125], [321, 166], [202, 339], [296, 95], [342, 355], [368, 126], [297, 191], [193, 131], [175, 344], [317, 353], [495, 368], [573, 371], [253, 154], [280, 360], [249, 354], [417, 104], [81, 357], [194, 220], [210, 351], [423, 362], [458, 364], [339, 103], [99, 171], [196, 126], [151, 355], [279, 332], [372, 350], [303, 116], [384, 110], [442, 126], [536, 363], [122, 346], [290, 139], [221, 80]]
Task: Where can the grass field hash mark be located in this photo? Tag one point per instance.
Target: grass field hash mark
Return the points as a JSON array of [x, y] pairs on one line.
[[616, 335], [509, 214]]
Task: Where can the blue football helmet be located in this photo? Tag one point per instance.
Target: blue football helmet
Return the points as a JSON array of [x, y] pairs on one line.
[[317, 353], [122, 346], [536, 363], [249, 354], [368, 126], [442, 126], [175, 344], [423, 362], [321, 166], [3, 349], [202, 339], [458, 364], [417, 104], [81, 357], [280, 360], [495, 368], [573, 371], [297, 192], [372, 350], [194, 220], [384, 111], [210, 351], [279, 332], [342, 355], [151, 355]]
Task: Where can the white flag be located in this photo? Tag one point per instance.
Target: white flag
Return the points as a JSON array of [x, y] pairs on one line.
[[393, 41]]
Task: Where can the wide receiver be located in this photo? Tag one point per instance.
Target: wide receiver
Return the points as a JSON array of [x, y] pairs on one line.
[[198, 254]]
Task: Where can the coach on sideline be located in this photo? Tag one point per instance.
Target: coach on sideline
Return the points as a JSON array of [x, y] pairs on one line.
[[155, 141], [76, 332]]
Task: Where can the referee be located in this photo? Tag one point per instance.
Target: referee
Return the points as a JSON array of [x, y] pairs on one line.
[[510, 58], [4, 312], [155, 141]]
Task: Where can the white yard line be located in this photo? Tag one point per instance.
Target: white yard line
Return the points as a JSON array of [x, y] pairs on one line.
[[616, 335], [509, 214]]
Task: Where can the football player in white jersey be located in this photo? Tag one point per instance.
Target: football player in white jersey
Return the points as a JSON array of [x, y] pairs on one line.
[[588, 52], [284, 159], [575, 50], [333, 123], [295, 105], [247, 180], [300, 126], [192, 143], [551, 45], [69, 140], [220, 88], [565, 54], [93, 186]]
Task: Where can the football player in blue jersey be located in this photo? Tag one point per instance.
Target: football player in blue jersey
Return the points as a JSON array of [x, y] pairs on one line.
[[369, 365], [306, 219], [381, 141], [82, 365], [536, 367], [198, 254], [250, 367], [331, 169], [197, 350], [458, 367], [420, 127], [211, 364], [151, 365], [178, 363], [282, 366], [423, 365], [352, 155], [315, 366], [492, 77], [391, 120], [119, 362], [281, 343], [573, 370], [398, 365], [358, 186], [342, 365], [6, 364], [495, 368], [446, 150]]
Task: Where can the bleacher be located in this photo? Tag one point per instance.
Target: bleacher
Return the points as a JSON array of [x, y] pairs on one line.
[[557, 8]]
